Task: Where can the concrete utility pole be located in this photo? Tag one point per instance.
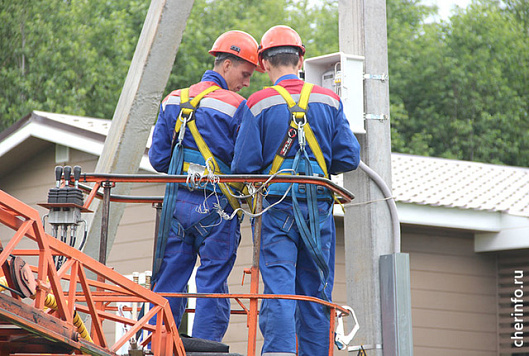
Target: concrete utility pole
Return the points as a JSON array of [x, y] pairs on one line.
[[368, 229], [138, 105]]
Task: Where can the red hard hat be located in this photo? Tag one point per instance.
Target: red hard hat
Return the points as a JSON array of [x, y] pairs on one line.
[[238, 43], [280, 36]]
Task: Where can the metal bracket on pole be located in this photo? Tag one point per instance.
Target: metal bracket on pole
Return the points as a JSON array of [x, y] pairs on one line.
[[365, 347], [395, 305], [105, 212], [376, 117], [382, 77]]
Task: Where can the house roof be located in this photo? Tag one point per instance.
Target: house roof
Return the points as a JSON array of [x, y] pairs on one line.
[[417, 180], [90, 124], [460, 184]]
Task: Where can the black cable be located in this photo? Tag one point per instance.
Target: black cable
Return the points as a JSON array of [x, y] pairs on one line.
[[12, 290]]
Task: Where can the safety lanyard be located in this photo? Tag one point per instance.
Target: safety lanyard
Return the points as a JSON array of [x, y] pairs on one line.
[[301, 125]]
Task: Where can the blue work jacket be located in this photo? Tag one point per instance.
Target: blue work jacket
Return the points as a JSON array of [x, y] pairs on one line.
[[266, 121], [217, 119]]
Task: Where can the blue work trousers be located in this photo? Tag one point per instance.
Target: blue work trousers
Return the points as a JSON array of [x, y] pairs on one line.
[[217, 255], [287, 268]]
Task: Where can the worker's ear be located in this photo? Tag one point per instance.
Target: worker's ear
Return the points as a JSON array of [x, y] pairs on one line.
[[300, 63], [227, 64], [266, 65]]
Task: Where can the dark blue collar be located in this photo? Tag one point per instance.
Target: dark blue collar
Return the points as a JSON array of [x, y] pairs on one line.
[[287, 76], [212, 76]]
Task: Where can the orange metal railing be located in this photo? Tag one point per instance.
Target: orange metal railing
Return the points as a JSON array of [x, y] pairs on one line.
[[97, 296]]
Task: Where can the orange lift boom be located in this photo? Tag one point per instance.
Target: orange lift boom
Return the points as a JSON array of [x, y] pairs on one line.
[[50, 323]]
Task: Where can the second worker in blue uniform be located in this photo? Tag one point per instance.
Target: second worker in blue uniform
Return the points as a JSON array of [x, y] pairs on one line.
[[297, 129]]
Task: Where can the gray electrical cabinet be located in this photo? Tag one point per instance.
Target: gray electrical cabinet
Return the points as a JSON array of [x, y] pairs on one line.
[[344, 74]]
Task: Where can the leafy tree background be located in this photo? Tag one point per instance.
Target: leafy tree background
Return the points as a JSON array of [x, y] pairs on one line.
[[458, 88], [69, 57]]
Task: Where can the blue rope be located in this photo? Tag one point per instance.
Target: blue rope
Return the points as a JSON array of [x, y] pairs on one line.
[[169, 201], [310, 234]]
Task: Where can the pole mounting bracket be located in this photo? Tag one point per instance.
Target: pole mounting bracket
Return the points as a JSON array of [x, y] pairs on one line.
[[380, 117], [382, 77]]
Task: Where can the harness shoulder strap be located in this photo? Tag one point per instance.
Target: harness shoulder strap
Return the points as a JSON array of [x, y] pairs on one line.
[[315, 147], [187, 107]]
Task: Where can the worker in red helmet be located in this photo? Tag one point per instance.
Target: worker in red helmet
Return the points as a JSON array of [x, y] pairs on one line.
[[296, 128], [195, 133]]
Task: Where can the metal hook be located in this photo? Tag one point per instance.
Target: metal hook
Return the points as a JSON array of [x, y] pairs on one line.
[[184, 121], [301, 132], [341, 340]]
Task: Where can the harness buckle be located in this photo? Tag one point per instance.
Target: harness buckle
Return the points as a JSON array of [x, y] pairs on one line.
[[297, 109]]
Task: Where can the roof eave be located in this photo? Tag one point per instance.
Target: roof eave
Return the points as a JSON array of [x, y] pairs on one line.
[[39, 126]]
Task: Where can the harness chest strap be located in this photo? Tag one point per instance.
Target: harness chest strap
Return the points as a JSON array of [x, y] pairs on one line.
[[309, 134], [298, 111], [199, 140]]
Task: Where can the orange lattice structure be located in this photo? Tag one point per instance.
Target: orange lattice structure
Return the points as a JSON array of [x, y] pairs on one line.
[[91, 296]]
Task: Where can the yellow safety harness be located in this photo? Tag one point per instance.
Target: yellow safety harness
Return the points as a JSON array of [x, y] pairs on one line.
[[298, 121], [177, 163], [186, 117]]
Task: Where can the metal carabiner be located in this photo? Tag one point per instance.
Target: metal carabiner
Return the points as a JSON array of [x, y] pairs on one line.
[[341, 340], [184, 121], [301, 131]]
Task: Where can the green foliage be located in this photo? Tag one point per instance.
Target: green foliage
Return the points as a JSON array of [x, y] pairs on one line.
[[520, 10], [73, 56], [458, 87], [65, 56]]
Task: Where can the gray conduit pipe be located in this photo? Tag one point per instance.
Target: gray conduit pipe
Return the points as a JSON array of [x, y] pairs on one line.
[[389, 199]]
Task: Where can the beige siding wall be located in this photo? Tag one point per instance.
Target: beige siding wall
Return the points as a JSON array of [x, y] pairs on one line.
[[32, 179], [453, 289], [133, 247], [453, 294]]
